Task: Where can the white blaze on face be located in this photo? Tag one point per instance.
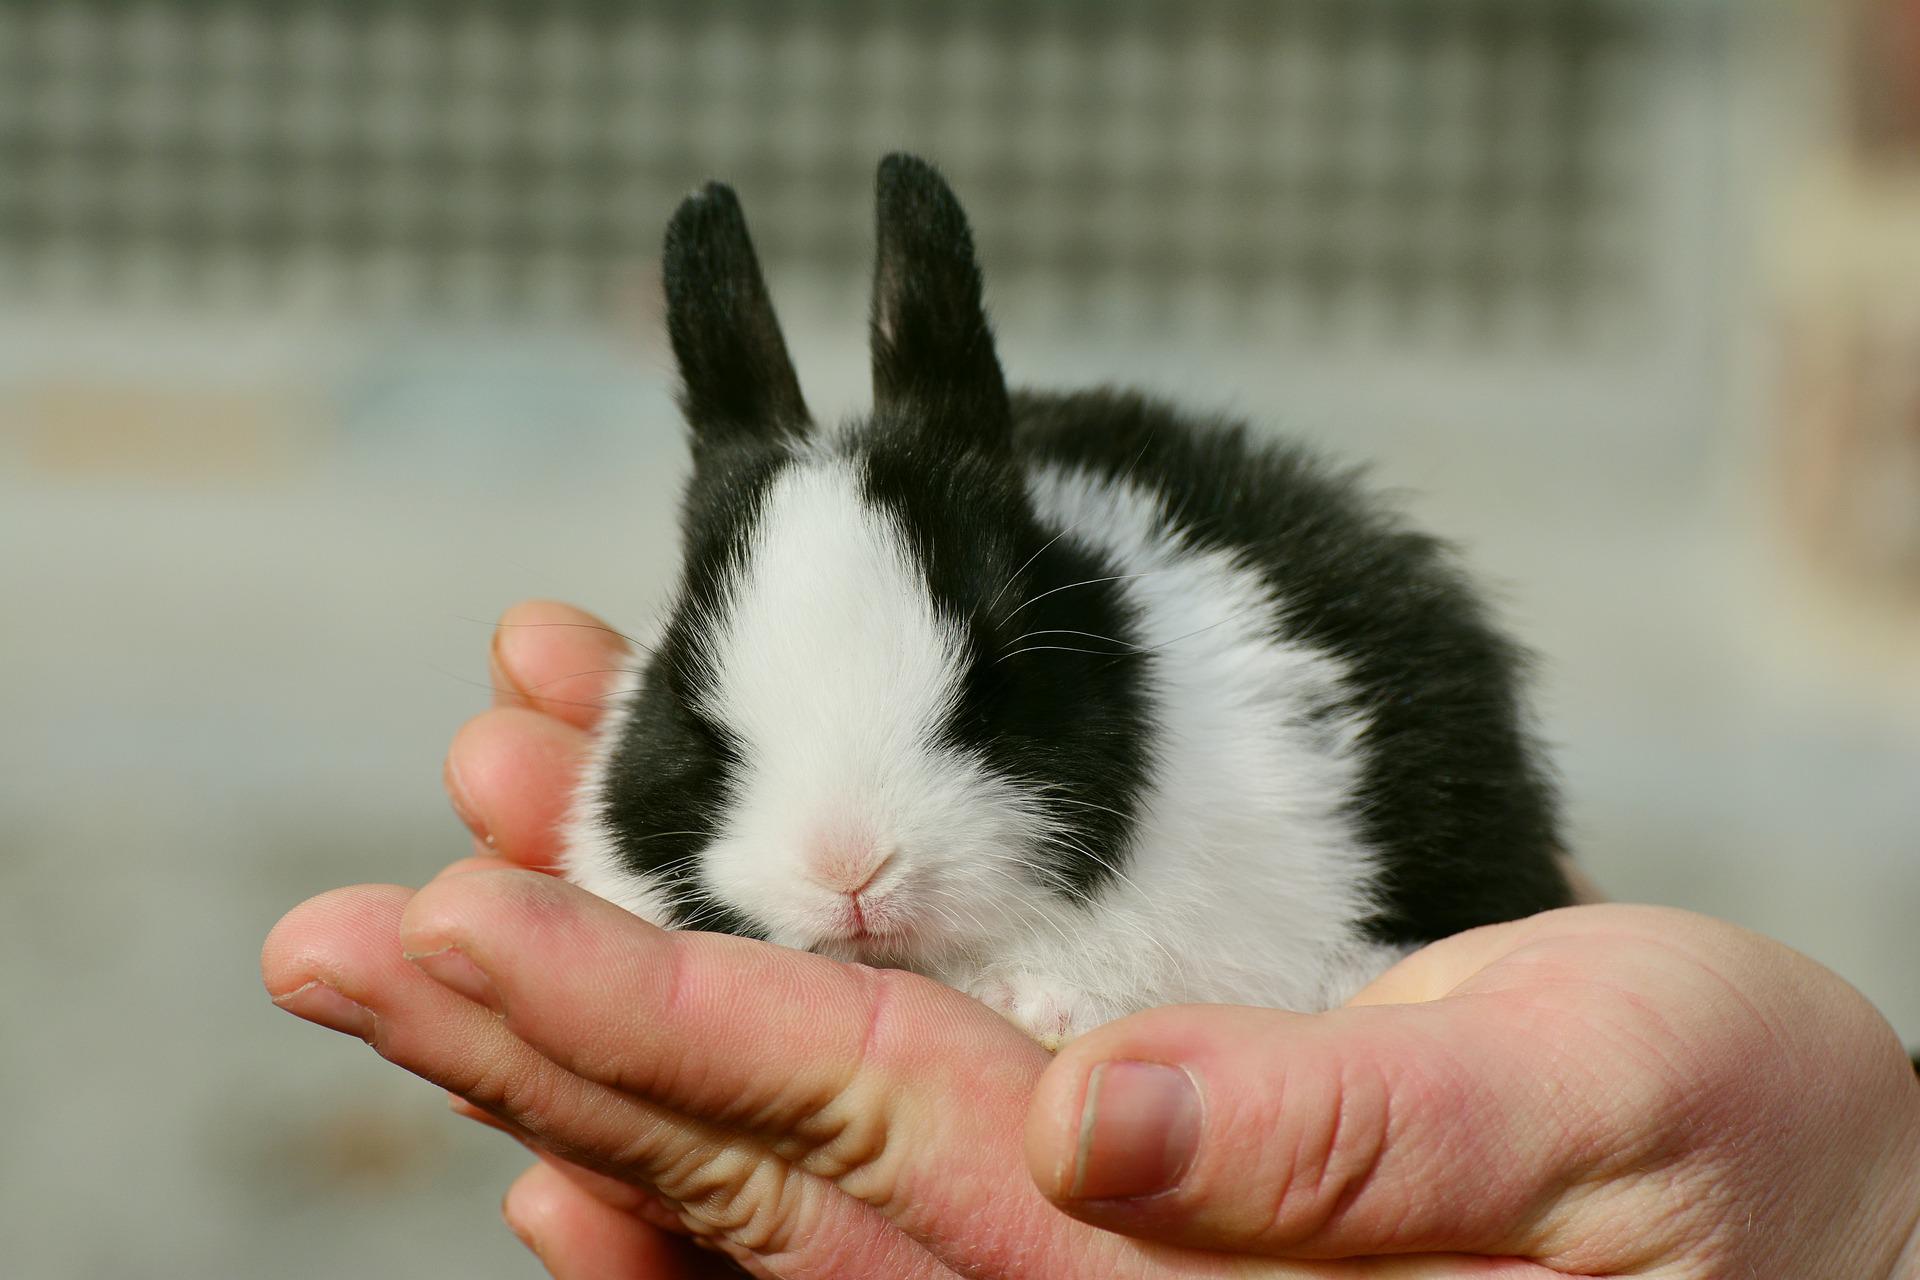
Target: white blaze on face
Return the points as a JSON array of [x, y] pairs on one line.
[[835, 672], [832, 644]]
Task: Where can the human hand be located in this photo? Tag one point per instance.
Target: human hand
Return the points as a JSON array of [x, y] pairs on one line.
[[1604, 1091], [1581, 1089], [817, 1141]]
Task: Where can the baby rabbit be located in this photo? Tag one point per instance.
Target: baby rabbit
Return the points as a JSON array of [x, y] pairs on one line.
[[1073, 701]]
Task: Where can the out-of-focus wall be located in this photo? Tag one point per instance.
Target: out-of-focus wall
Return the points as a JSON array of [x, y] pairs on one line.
[[328, 330]]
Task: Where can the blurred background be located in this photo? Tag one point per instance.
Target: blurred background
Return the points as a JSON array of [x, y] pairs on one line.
[[327, 330]]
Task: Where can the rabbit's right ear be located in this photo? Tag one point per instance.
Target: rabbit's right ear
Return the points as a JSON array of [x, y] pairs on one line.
[[737, 381]]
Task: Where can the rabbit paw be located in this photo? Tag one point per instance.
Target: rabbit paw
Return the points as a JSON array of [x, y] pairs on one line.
[[1050, 1011]]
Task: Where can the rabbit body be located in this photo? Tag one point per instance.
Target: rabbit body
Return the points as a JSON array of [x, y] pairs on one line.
[[1073, 702]]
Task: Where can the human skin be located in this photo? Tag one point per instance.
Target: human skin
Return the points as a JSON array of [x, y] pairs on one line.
[[1601, 1091]]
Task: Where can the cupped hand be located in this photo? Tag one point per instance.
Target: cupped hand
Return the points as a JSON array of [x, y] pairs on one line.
[[1600, 1091]]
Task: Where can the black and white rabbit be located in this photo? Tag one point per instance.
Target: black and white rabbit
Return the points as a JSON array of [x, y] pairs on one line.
[[1071, 701]]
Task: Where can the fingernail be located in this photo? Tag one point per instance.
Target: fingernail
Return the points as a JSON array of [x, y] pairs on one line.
[[1139, 1130], [463, 807], [452, 970], [319, 1003]]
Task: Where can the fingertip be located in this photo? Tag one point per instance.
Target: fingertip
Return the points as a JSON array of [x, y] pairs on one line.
[[555, 659], [576, 1236], [316, 940], [1117, 1113], [500, 915], [541, 611], [510, 774], [458, 905], [1052, 1129], [531, 1204]]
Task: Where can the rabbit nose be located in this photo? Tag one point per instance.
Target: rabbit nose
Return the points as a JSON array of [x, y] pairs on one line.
[[846, 865]]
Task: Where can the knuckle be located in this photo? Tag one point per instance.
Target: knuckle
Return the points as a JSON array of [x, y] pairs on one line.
[[755, 1202], [535, 1099], [847, 1136], [847, 1145], [757, 1182], [1340, 1149], [483, 1081], [1306, 1144]]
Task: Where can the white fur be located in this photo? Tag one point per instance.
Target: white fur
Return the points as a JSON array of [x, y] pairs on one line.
[[1246, 882], [836, 673]]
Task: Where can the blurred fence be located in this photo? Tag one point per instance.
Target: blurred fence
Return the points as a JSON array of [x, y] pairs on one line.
[[1429, 164]]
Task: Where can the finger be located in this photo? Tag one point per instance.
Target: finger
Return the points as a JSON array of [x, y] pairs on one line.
[[948, 1180], [579, 1237], [690, 1020], [510, 774], [558, 660], [337, 960], [1318, 1136], [904, 1094]]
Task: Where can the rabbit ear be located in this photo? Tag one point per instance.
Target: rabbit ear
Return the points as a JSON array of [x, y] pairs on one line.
[[933, 357], [737, 381]]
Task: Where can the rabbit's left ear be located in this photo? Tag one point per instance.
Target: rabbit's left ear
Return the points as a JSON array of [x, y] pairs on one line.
[[933, 356], [737, 382]]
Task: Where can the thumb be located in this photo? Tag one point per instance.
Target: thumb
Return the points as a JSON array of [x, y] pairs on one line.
[[1421, 1128]]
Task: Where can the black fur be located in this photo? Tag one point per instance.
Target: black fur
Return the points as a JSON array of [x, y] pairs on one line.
[[737, 381], [1454, 796], [933, 358], [1072, 725], [1033, 706], [936, 457], [1454, 799], [667, 775]]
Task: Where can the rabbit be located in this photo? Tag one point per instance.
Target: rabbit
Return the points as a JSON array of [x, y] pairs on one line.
[[1074, 701]]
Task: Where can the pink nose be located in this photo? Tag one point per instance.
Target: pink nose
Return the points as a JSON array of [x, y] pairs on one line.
[[845, 865]]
